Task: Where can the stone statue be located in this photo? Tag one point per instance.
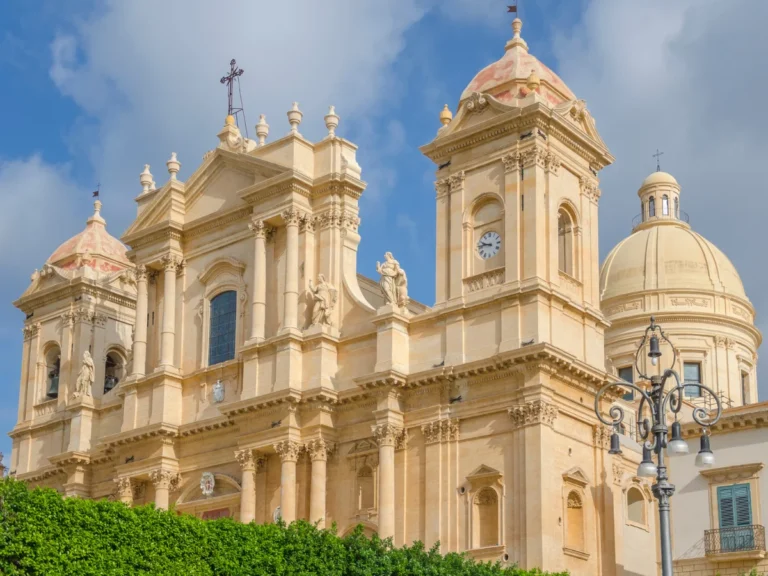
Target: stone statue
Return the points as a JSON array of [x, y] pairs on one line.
[[394, 284], [324, 297], [218, 392], [85, 378]]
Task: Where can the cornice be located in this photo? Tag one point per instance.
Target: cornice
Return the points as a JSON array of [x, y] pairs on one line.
[[739, 472], [161, 430], [665, 317], [519, 119], [288, 397], [207, 425], [72, 289], [734, 420]]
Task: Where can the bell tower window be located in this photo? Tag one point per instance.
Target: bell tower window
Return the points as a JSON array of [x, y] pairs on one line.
[[53, 370], [665, 205], [651, 207], [566, 241]]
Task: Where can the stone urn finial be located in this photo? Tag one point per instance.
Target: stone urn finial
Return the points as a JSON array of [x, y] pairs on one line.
[[294, 118], [446, 116], [173, 166], [262, 129], [145, 178], [331, 121]]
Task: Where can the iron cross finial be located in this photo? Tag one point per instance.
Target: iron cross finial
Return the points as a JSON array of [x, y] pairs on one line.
[[229, 79], [658, 155]]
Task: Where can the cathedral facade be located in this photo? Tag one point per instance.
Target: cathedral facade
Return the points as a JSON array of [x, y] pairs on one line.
[[232, 362]]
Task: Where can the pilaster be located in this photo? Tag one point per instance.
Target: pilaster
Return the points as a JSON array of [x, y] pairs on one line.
[[534, 421], [456, 252], [387, 436], [247, 485]]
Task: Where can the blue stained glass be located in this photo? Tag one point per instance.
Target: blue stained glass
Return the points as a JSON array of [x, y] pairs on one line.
[[223, 325]]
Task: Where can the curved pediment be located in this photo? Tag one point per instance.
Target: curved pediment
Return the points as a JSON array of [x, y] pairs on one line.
[[221, 266]]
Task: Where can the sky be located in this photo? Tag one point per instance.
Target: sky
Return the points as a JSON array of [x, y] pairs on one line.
[[92, 91]]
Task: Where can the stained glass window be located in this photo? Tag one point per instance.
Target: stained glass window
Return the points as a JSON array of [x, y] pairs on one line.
[[223, 323]]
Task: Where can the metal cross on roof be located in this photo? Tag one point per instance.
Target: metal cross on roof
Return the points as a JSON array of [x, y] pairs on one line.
[[658, 156], [229, 80]]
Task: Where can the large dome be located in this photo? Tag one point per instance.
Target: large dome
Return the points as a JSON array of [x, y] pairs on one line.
[[507, 79], [668, 256], [93, 248]]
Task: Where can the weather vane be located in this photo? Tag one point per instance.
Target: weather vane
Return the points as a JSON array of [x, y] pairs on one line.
[[229, 80], [658, 155]]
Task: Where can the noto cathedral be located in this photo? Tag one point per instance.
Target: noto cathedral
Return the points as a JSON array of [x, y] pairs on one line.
[[226, 358]]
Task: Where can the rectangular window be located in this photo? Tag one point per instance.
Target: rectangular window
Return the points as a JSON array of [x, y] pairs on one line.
[[734, 504], [745, 388], [692, 375], [628, 375]]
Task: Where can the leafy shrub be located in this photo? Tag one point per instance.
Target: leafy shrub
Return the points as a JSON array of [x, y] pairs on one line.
[[42, 533]]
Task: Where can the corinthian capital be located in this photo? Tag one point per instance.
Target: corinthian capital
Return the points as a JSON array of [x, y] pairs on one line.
[[124, 488], [141, 273], [165, 479], [259, 228], [533, 412], [246, 459], [288, 450], [319, 449], [292, 217], [387, 434], [172, 262]]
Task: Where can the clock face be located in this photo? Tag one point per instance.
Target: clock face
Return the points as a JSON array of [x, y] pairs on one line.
[[489, 245]]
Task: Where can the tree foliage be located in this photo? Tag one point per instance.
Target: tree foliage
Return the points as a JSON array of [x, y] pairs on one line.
[[42, 533]]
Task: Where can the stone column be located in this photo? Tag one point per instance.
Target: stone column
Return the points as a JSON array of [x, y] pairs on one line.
[[291, 307], [124, 490], [164, 481], [248, 485], [386, 436], [259, 305], [139, 366], [318, 452], [171, 264], [288, 451]]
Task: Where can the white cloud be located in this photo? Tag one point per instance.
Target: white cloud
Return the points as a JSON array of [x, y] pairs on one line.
[[684, 77], [147, 74], [35, 195]]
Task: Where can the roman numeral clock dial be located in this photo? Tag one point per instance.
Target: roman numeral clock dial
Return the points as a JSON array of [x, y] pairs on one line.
[[489, 245]]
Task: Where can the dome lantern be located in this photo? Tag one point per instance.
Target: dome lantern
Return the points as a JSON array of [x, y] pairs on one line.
[[659, 201]]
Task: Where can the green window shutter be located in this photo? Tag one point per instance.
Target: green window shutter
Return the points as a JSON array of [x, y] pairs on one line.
[[725, 506], [735, 505], [742, 504]]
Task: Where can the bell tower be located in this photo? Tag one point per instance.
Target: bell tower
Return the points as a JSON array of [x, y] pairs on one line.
[[517, 201]]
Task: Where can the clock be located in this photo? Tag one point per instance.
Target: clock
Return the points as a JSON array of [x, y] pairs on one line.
[[489, 245]]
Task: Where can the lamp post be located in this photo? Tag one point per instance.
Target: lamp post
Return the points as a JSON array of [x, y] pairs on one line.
[[660, 402]]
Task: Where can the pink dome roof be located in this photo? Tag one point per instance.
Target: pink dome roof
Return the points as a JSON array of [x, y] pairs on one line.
[[94, 248], [506, 79]]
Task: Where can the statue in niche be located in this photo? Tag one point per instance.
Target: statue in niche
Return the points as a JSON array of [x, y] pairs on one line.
[[85, 378], [394, 283], [324, 297], [218, 392]]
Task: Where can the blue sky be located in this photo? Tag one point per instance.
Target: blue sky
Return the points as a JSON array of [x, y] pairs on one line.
[[93, 91]]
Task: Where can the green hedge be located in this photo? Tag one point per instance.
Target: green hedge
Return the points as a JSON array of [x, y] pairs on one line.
[[43, 533]]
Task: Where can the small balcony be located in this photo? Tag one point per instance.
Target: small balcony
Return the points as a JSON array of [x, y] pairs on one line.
[[738, 542]]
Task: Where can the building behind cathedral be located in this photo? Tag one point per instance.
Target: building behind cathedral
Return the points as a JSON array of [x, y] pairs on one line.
[[232, 362]]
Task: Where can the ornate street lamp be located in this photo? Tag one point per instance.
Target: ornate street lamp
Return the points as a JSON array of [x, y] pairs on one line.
[[659, 402]]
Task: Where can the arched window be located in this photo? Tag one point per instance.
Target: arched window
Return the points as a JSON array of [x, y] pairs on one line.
[[651, 207], [114, 370], [635, 506], [565, 242], [365, 496], [665, 205], [52, 371], [486, 518], [223, 324], [677, 207], [574, 528]]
